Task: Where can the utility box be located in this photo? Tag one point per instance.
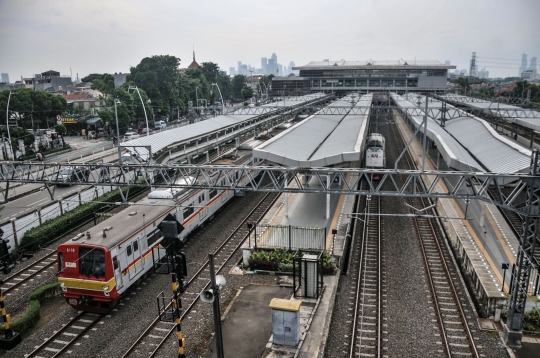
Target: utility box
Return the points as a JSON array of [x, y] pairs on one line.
[[285, 321], [309, 275]]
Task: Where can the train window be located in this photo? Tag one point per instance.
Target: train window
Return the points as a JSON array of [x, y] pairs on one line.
[[202, 196], [188, 211], [153, 237], [129, 251], [135, 246], [199, 199], [212, 193], [61, 262], [115, 263], [92, 261]]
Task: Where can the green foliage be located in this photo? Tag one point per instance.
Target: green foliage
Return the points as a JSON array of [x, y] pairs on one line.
[[60, 128], [237, 83], [105, 84], [91, 77], [32, 315], [531, 320], [282, 260], [16, 134], [27, 106], [158, 76], [247, 92], [520, 91], [54, 228], [44, 292]]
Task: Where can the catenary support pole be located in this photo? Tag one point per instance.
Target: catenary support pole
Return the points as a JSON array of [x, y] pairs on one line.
[[217, 311]]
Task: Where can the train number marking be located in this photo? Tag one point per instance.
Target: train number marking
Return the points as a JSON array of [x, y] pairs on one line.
[[72, 249], [71, 264]]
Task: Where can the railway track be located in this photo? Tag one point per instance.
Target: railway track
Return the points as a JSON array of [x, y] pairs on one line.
[[455, 333], [456, 336], [22, 277], [366, 335], [157, 332], [64, 338]]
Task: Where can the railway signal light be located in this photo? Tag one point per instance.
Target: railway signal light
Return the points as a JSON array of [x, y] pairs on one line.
[[180, 265], [171, 228], [6, 265]]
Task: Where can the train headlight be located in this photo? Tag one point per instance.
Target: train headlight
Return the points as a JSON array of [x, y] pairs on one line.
[[63, 287], [105, 288]]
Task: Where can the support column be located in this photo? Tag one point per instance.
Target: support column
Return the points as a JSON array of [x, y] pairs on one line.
[[208, 156], [286, 197], [328, 198], [177, 306], [512, 333]]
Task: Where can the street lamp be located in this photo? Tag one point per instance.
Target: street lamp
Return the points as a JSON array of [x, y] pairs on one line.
[[144, 108], [222, 103], [7, 122], [116, 100]]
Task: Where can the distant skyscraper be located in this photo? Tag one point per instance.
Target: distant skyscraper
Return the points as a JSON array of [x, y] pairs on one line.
[[264, 63], [5, 76], [232, 71], [271, 66], [532, 66], [291, 65], [274, 57], [523, 66]]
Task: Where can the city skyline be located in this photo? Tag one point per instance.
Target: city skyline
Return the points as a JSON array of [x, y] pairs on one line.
[[41, 36]]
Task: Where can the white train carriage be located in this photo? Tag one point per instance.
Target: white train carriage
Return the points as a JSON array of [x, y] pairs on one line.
[[375, 155]]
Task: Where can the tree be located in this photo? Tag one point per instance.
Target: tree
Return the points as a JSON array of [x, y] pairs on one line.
[[91, 77], [210, 71], [105, 84], [238, 82], [158, 76], [17, 133], [60, 128], [31, 108], [247, 92]]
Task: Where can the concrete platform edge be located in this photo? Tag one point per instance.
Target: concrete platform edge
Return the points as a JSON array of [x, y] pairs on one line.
[[329, 314]]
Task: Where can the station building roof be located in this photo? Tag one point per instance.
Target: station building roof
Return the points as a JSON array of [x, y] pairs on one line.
[[369, 64], [525, 118], [465, 133], [167, 139], [321, 139]]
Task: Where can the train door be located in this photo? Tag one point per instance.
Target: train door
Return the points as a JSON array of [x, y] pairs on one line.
[[117, 271], [129, 255], [137, 255], [202, 203]]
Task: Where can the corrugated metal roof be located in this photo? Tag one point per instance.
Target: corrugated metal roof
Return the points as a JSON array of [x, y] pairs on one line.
[[528, 119], [320, 140], [452, 152], [392, 63], [495, 152], [168, 138]]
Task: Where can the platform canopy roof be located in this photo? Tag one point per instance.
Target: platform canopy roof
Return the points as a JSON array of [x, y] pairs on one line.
[[168, 138], [397, 64], [528, 118], [466, 137], [321, 139]]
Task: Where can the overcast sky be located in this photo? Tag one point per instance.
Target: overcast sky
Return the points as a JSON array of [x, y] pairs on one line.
[[110, 36]]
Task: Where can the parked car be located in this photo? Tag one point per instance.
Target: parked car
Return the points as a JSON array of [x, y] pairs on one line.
[[160, 125], [73, 175]]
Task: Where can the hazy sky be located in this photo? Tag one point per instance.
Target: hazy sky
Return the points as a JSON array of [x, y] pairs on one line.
[[110, 36]]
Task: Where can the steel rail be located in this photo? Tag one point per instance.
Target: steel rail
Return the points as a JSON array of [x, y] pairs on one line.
[[359, 291], [62, 330], [29, 276], [197, 274], [453, 289]]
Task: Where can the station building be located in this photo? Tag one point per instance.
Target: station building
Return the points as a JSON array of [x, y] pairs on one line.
[[364, 76]]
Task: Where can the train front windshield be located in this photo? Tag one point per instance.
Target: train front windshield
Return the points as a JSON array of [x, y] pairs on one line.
[[92, 261]]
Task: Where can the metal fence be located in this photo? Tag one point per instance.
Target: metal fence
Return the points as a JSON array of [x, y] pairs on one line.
[[289, 237]]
